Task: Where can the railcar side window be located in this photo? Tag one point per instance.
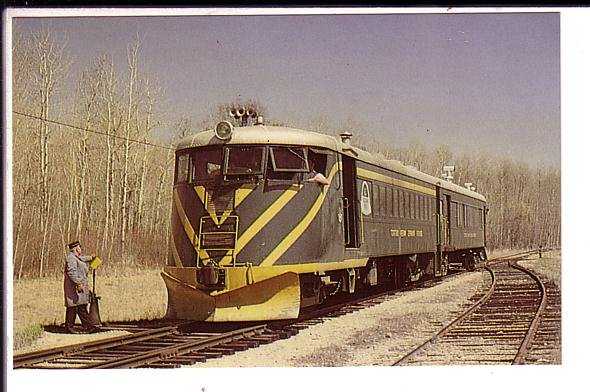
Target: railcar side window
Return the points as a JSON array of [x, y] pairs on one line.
[[383, 198], [389, 201], [406, 212], [422, 209], [289, 159], [243, 160], [182, 168], [376, 203]]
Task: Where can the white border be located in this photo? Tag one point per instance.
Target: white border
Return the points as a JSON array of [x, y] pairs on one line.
[[575, 113]]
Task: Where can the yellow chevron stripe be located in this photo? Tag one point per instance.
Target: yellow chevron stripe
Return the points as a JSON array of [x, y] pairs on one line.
[[175, 254], [202, 193], [188, 228], [239, 196], [303, 224], [242, 193], [394, 181], [267, 216]]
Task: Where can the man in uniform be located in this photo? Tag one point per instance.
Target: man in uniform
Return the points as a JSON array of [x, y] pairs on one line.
[[76, 292]]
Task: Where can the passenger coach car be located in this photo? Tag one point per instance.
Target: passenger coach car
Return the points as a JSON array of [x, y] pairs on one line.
[[251, 239]]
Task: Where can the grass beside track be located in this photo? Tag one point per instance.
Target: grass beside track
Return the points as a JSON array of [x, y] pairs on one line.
[[128, 295], [549, 265]]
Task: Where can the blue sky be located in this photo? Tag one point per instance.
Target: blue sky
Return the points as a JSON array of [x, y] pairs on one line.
[[483, 82]]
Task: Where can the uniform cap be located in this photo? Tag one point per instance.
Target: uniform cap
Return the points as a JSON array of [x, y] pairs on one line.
[[73, 245]]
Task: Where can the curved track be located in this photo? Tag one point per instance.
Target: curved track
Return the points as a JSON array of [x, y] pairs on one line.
[[505, 326], [497, 329], [188, 343]]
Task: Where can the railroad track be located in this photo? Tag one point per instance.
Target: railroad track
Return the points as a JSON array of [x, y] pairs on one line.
[[186, 344], [516, 322], [158, 346]]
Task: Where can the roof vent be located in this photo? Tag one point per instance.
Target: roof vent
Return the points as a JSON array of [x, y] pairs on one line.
[[345, 137], [470, 186], [259, 120], [448, 171]]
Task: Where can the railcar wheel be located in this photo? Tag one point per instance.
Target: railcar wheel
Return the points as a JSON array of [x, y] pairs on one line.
[[470, 262], [476, 260]]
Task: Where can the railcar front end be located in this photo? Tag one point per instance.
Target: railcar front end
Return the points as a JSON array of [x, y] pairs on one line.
[[247, 227]]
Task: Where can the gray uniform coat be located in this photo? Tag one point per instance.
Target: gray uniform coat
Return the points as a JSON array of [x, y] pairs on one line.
[[76, 271]]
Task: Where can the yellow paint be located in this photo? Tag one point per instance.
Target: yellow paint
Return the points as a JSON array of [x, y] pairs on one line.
[[242, 193], [303, 224], [188, 228], [202, 193], [394, 181], [406, 233], [252, 293], [96, 262], [175, 254], [270, 299], [240, 276], [266, 217]]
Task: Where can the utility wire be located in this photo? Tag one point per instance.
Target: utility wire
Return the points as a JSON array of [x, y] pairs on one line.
[[90, 130]]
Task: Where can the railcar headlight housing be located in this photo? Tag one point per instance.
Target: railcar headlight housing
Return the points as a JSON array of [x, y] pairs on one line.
[[224, 130]]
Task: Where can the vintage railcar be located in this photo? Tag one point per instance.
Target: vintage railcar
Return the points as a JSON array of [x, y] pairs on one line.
[[252, 238]]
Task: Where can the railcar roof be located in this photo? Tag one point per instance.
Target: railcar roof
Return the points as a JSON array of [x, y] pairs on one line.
[[262, 134]]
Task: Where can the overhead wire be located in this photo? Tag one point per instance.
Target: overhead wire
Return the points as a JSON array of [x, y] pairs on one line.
[[91, 130]]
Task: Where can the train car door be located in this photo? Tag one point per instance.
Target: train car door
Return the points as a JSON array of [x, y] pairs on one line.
[[447, 222], [350, 203], [443, 226]]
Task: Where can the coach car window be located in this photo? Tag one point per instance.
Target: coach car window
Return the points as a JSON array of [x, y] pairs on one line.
[[389, 201], [376, 203], [243, 160]]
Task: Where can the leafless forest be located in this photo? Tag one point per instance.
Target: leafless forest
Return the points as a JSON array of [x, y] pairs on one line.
[[95, 172]]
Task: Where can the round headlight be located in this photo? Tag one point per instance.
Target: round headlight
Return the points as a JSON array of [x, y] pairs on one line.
[[223, 130]]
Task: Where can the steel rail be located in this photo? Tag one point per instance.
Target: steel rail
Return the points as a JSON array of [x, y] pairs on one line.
[[525, 342], [22, 360], [528, 339], [151, 356], [462, 317]]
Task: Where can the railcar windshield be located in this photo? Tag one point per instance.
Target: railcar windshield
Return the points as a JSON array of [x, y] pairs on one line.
[[207, 164], [243, 160], [243, 163]]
